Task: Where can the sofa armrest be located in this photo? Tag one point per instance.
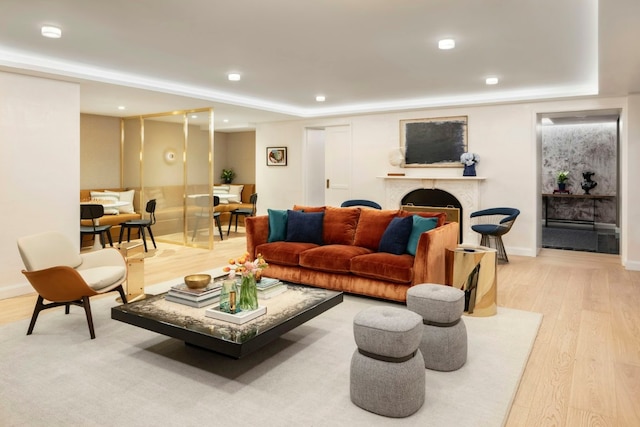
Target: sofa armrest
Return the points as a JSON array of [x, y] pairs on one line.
[[257, 229], [429, 265]]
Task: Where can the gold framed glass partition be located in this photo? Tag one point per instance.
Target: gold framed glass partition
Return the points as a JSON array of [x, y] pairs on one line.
[[169, 157]]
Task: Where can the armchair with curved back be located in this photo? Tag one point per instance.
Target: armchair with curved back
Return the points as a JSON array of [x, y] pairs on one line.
[[64, 277], [360, 202], [492, 224]]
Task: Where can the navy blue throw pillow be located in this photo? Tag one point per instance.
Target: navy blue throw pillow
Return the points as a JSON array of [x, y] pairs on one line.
[[395, 237], [305, 227]]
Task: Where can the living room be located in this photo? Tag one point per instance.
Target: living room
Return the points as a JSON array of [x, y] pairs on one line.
[[46, 157]]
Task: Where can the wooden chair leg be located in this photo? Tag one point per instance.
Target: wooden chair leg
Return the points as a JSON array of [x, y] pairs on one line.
[[230, 220], [66, 308], [121, 233], [87, 310], [36, 310], [120, 290]]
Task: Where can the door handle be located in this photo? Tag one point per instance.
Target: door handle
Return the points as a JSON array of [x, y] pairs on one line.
[[327, 183]]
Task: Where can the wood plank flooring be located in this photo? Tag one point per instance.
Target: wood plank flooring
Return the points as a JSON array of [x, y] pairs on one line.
[[584, 369]]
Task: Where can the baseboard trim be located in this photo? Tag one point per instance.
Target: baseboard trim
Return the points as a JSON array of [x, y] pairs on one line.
[[632, 265], [15, 290]]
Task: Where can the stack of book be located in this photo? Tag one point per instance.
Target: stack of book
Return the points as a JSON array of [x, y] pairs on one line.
[[269, 288], [182, 294]]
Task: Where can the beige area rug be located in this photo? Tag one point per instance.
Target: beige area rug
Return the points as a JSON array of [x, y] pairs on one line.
[[130, 376]]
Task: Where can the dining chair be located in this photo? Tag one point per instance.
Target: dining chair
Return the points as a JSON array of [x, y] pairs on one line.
[[203, 203], [360, 202], [93, 212], [64, 277], [141, 225], [245, 212], [492, 224]]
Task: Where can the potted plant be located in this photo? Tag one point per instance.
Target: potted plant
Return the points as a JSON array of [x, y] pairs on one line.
[[227, 176], [563, 176]]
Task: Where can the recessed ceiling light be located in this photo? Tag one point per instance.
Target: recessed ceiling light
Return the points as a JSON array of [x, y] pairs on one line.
[[320, 98], [446, 44], [193, 116], [547, 121], [122, 107], [492, 80], [226, 120], [51, 32], [234, 77]]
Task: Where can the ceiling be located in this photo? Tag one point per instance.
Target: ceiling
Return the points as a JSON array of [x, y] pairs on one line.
[[363, 55]]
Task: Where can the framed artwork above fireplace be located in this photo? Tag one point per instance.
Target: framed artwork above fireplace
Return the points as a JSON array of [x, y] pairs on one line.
[[434, 142]]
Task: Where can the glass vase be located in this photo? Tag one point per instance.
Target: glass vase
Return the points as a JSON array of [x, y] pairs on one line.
[[229, 297], [248, 293]]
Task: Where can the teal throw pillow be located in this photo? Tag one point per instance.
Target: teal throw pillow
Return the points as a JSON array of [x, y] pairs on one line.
[[277, 225], [420, 225], [395, 237], [305, 227]]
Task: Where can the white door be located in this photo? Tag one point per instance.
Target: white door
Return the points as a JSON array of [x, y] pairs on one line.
[[337, 164]]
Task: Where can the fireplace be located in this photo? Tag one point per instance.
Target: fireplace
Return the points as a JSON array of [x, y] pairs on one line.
[[432, 198], [466, 190]]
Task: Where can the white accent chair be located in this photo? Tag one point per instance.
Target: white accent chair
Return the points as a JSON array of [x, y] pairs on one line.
[[62, 276]]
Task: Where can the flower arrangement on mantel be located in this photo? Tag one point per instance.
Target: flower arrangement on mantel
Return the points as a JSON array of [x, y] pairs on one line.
[[469, 161], [249, 271]]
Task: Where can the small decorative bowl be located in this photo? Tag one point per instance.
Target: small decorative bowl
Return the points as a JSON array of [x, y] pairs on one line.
[[197, 281]]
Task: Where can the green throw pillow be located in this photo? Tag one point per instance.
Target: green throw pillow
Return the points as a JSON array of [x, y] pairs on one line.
[[277, 225], [420, 225]]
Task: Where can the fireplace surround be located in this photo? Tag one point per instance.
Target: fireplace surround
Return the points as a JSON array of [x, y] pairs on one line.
[[465, 189]]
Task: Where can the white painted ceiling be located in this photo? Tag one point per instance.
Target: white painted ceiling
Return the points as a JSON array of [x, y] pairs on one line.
[[363, 55]]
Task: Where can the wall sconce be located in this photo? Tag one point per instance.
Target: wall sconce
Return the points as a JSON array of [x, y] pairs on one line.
[[170, 155]]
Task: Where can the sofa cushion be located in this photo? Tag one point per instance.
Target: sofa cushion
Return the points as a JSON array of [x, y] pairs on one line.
[[339, 226], [106, 197], [277, 225], [236, 191], [309, 208], [304, 227], [384, 266], [331, 258], [284, 253], [371, 225], [395, 237], [419, 226], [441, 216]]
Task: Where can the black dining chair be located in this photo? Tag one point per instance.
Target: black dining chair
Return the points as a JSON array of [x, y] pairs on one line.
[[360, 202], [492, 224], [93, 212], [245, 212], [141, 225], [203, 202]]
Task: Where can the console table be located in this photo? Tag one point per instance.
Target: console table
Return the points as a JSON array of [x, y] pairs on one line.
[[546, 197]]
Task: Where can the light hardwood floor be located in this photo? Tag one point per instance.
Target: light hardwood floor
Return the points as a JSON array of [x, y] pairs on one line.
[[584, 369]]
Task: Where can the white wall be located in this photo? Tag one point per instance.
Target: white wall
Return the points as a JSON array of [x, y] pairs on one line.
[[39, 168], [505, 137], [629, 156]]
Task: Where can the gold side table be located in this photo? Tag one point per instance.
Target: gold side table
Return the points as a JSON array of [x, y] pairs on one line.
[[473, 270], [133, 253]]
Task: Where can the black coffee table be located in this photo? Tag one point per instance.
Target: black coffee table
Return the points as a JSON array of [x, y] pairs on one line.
[[284, 312]]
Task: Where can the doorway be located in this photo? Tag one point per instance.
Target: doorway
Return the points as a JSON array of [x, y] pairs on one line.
[[583, 214], [328, 165]]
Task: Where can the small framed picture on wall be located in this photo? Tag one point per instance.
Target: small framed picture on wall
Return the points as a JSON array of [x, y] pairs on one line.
[[276, 156]]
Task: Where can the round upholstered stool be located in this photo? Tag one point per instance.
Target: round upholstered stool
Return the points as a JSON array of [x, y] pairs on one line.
[[444, 338], [387, 369]]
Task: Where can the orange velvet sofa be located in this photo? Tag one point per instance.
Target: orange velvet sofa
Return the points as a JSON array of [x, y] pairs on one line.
[[348, 259]]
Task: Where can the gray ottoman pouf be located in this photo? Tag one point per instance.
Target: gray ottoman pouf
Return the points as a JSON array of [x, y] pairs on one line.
[[387, 369], [444, 339]]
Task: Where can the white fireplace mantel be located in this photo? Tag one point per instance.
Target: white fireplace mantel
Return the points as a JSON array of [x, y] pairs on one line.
[[464, 188]]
